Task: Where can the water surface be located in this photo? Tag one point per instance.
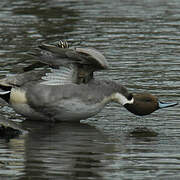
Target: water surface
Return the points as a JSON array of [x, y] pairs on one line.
[[141, 40]]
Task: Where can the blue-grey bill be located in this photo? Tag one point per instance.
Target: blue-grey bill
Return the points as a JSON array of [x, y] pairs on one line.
[[165, 105]]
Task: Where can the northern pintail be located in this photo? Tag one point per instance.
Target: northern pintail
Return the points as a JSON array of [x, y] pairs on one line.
[[69, 91]]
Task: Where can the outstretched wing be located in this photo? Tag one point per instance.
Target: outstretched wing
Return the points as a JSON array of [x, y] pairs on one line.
[[50, 76], [62, 55], [62, 75], [86, 60], [23, 78]]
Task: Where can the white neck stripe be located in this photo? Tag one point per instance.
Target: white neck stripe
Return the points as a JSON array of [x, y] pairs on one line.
[[122, 99]]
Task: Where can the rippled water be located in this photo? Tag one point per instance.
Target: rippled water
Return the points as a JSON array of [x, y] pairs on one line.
[[141, 40]]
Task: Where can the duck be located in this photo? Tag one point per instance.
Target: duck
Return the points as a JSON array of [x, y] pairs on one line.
[[65, 89]]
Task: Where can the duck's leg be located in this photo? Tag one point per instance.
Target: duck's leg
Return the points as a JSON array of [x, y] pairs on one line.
[[63, 44]]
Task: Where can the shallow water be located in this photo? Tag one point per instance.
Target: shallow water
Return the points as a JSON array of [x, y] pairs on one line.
[[141, 40]]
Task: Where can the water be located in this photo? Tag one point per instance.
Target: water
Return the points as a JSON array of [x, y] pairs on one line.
[[141, 40]]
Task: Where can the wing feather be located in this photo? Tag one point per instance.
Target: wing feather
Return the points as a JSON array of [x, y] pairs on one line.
[[61, 76]]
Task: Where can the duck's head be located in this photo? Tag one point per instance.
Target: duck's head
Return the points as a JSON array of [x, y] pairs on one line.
[[145, 103]]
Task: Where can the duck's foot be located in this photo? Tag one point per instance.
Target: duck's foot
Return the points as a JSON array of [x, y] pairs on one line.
[[63, 44]]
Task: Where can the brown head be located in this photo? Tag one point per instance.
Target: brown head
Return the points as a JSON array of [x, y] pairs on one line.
[[145, 103]]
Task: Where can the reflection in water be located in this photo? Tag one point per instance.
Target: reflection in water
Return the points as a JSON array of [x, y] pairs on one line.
[[12, 157], [76, 151], [63, 150], [141, 42]]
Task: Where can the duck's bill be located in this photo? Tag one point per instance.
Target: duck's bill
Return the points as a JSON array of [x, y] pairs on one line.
[[166, 105]]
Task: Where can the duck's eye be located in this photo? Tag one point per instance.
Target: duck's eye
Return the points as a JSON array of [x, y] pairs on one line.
[[130, 96], [148, 100]]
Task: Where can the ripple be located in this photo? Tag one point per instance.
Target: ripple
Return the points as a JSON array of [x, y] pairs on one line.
[[140, 39]]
